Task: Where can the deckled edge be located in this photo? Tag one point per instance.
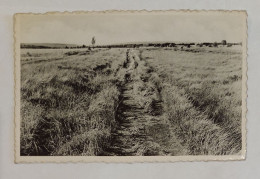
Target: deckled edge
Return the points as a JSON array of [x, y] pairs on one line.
[[16, 108], [126, 159], [245, 89]]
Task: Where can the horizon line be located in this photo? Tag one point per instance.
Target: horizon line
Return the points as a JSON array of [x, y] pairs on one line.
[[120, 43]]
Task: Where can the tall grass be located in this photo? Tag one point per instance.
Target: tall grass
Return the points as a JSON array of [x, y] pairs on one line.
[[197, 133], [191, 100], [67, 106], [147, 87], [202, 97]]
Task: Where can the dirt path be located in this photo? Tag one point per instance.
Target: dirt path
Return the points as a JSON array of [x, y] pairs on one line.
[[139, 113]]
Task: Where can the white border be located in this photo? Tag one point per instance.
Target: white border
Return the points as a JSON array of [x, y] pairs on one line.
[[127, 159]]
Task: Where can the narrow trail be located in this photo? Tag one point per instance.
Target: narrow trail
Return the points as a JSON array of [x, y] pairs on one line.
[[137, 126]]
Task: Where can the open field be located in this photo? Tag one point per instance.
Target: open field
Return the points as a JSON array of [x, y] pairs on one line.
[[136, 101], [201, 90], [68, 103]]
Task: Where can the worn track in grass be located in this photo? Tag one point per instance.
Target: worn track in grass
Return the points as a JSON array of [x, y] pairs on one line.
[[137, 127]]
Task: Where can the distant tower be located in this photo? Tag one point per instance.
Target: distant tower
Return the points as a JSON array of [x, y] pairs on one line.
[[93, 41]]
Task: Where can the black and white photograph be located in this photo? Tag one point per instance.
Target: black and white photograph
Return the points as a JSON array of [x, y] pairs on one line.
[[130, 86]]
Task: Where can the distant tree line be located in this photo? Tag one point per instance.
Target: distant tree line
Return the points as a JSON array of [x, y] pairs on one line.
[[133, 45], [35, 46], [216, 44]]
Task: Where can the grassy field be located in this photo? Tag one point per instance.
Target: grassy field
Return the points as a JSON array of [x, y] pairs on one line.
[[184, 101], [68, 100], [201, 88]]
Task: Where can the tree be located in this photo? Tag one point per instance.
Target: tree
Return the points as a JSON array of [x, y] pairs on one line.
[[224, 42], [93, 41]]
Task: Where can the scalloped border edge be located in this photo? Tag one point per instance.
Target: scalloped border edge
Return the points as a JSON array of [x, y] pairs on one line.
[[123, 159]]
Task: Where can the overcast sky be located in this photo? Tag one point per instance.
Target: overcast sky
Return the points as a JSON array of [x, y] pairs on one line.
[[121, 28]]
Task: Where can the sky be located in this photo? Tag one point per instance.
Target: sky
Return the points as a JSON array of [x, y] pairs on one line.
[[112, 28]]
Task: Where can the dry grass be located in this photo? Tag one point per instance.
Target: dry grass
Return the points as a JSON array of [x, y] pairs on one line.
[[67, 105], [201, 88], [70, 99]]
